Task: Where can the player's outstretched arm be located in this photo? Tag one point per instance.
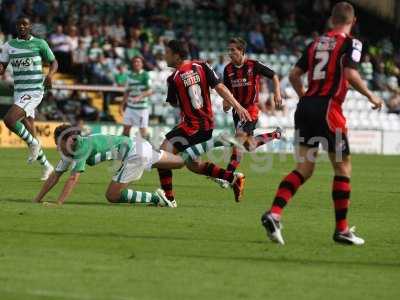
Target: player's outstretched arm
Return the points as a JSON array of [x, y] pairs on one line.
[[354, 78], [223, 91], [47, 186], [295, 80], [68, 187]]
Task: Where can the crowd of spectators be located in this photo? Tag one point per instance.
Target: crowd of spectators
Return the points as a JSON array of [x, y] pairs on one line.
[[96, 42]]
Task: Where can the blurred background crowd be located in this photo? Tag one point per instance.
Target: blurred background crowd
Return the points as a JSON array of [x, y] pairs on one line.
[[94, 42]]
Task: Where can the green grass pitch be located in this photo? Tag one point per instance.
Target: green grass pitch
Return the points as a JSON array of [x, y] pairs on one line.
[[208, 248]]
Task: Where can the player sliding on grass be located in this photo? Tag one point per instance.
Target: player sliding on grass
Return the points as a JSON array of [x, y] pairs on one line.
[[331, 62], [136, 155], [26, 55], [242, 78]]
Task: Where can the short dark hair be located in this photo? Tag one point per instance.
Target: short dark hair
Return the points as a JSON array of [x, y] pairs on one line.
[[64, 131], [21, 17], [178, 47], [239, 42], [342, 13]]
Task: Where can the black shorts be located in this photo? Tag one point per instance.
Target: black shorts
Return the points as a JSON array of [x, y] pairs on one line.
[[312, 127], [181, 140], [247, 127]]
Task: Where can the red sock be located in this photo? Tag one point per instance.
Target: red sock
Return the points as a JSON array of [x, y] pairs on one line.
[[213, 170], [235, 160], [341, 189], [166, 183], [286, 191]]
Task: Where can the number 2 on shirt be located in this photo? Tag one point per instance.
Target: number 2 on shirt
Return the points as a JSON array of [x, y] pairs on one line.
[[323, 57]]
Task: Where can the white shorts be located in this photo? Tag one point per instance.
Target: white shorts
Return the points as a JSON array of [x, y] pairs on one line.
[[136, 117], [141, 157], [28, 101]]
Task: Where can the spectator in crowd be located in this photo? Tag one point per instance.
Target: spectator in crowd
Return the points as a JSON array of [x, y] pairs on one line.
[[118, 30], [102, 38], [256, 40], [194, 51], [219, 66], [73, 38], [289, 28], [80, 60], [95, 52], [148, 58], [367, 70], [132, 50], [380, 78], [40, 8], [161, 64], [86, 38], [160, 46], [39, 29], [59, 43], [169, 32], [393, 104], [131, 17]]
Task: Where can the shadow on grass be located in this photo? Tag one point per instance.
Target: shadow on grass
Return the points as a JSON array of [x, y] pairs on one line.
[[258, 259], [105, 203], [283, 260], [86, 203], [125, 236]]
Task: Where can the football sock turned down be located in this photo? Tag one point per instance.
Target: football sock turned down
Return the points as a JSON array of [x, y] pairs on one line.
[[286, 190], [341, 199], [130, 196], [24, 134]]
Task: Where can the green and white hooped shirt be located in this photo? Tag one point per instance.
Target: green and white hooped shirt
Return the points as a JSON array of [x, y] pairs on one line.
[[26, 58], [136, 84]]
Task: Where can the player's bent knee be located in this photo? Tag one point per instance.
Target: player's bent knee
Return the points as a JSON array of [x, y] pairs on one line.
[[113, 197], [9, 121]]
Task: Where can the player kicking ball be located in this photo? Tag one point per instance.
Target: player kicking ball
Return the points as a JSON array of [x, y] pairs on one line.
[[26, 55], [136, 155]]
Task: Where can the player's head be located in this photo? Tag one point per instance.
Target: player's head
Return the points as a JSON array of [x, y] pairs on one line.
[[24, 27], [137, 63], [237, 49], [175, 52], [65, 136], [343, 14]]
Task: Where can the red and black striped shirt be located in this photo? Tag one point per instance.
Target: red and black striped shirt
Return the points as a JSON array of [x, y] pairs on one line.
[[189, 88], [244, 83], [325, 59]]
